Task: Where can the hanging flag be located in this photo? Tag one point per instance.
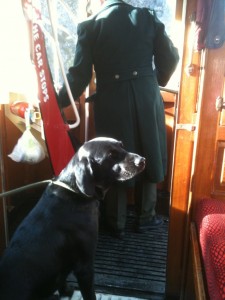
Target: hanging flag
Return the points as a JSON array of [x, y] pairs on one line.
[[58, 142]]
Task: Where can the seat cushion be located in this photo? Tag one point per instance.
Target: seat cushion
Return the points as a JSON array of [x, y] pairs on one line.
[[210, 221]]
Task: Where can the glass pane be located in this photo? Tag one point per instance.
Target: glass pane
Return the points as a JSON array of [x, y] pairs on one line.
[[165, 10], [70, 13]]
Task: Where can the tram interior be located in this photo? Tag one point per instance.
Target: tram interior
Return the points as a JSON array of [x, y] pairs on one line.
[[118, 267], [136, 267]]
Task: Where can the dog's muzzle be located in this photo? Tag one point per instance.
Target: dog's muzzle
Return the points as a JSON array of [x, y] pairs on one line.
[[139, 162], [132, 165]]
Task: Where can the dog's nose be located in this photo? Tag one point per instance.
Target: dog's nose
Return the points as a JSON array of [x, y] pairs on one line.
[[140, 162]]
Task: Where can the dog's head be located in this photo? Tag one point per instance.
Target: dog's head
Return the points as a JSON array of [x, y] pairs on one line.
[[99, 163]]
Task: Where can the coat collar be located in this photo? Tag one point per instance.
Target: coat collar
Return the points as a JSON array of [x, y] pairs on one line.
[[112, 2], [106, 5]]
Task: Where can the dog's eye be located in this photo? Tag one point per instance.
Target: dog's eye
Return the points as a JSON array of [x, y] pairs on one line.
[[113, 154], [121, 144]]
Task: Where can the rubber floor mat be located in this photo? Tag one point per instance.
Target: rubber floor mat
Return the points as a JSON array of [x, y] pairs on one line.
[[134, 266], [100, 296]]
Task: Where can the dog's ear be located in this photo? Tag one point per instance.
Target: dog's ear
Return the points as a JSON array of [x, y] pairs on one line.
[[84, 176]]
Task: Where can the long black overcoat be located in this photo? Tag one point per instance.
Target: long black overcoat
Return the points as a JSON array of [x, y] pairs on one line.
[[122, 41]]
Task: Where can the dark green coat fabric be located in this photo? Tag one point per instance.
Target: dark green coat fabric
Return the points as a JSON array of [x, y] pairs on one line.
[[121, 41]]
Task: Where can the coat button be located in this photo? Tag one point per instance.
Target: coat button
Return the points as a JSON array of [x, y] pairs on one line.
[[217, 39], [135, 73], [117, 76]]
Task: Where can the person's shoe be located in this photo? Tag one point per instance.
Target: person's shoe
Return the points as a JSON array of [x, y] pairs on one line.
[[155, 222]]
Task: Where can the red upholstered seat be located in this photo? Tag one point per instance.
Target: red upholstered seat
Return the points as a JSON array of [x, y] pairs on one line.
[[210, 221]]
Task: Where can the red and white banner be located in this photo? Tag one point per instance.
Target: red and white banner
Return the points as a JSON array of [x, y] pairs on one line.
[[58, 142]]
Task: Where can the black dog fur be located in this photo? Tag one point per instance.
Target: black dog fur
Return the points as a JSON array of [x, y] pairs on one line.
[[59, 235]]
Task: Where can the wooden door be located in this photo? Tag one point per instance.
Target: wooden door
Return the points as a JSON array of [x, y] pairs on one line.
[[198, 164], [186, 110], [209, 174]]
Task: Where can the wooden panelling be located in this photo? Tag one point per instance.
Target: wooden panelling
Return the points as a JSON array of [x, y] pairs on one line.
[[17, 174], [183, 152], [218, 188], [170, 100], [209, 156]]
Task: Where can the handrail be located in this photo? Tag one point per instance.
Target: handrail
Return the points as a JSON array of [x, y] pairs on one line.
[[168, 90], [55, 38]]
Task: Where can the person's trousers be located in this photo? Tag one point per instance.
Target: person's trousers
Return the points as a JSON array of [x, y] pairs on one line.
[[115, 204]]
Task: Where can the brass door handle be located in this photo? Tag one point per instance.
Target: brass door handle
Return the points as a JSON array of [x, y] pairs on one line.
[[220, 104]]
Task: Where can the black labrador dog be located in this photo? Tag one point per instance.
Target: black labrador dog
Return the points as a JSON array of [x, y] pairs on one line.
[[59, 235]]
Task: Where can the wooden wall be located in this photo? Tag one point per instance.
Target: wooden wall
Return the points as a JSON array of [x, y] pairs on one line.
[[16, 174]]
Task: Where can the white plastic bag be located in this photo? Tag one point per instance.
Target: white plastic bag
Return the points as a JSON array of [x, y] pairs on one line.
[[28, 149]]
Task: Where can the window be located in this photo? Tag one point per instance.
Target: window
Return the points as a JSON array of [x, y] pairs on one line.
[[70, 13]]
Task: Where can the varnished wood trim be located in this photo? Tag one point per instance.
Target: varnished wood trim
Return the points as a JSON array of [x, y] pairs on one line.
[[197, 265]]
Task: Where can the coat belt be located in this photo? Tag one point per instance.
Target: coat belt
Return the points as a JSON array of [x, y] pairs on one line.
[[123, 75]]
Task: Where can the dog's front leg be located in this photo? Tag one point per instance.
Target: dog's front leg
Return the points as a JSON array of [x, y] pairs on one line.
[[86, 283]]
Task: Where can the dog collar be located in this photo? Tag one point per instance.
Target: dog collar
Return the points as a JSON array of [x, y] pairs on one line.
[[99, 194], [64, 185]]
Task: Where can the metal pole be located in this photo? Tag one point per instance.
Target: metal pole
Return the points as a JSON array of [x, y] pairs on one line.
[[4, 202]]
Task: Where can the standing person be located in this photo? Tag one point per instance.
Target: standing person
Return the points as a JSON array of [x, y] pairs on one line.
[[132, 55]]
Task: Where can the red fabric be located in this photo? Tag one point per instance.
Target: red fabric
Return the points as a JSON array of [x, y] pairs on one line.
[[210, 221]]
